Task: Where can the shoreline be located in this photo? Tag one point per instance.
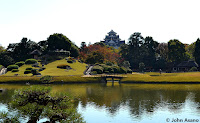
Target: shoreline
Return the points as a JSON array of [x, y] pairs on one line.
[[135, 78]]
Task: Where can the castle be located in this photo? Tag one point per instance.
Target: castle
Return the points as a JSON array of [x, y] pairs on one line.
[[112, 39]]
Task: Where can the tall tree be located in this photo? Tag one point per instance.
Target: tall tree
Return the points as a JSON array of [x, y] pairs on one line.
[[149, 50], [20, 51], [135, 43], [60, 41], [176, 52], [197, 51]]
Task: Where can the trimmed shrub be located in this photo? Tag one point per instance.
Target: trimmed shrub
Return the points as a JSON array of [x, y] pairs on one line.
[[109, 63], [15, 70], [98, 69], [64, 66], [35, 65], [93, 72], [10, 67], [30, 61], [123, 70], [41, 69], [29, 68], [116, 69], [20, 63], [46, 79], [129, 70], [193, 69], [35, 72], [27, 71], [69, 61]]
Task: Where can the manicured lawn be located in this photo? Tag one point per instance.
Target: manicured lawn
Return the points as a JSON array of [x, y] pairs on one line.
[[20, 72], [164, 77], [51, 68]]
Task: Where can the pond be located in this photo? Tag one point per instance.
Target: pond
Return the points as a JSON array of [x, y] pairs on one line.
[[128, 103]]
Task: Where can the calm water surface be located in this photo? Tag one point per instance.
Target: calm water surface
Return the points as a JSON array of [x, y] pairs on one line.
[[128, 103]]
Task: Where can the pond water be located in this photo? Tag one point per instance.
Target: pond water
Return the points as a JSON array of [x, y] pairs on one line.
[[128, 103]]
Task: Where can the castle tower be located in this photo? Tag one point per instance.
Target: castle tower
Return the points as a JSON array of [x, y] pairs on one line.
[[112, 39]]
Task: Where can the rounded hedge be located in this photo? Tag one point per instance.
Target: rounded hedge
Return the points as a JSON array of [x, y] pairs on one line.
[[10, 67], [193, 69], [123, 70], [14, 70], [30, 61], [27, 71], [34, 72], [129, 70], [20, 63], [29, 68], [64, 66], [98, 69], [69, 61]]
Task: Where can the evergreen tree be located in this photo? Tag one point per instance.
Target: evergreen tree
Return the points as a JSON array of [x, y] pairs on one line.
[[197, 51]]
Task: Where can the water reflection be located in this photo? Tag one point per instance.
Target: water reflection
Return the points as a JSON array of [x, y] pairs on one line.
[[139, 99]]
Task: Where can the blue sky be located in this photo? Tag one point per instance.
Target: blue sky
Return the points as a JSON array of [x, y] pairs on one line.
[[91, 20]]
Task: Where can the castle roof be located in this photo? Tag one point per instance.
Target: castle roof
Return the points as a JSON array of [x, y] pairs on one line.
[[112, 32]]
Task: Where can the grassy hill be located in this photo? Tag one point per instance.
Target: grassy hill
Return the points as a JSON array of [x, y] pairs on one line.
[[51, 69]]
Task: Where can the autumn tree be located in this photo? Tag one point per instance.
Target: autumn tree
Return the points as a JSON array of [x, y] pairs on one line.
[[106, 53]]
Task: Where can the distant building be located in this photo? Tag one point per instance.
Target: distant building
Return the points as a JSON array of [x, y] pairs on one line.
[[112, 39], [185, 66]]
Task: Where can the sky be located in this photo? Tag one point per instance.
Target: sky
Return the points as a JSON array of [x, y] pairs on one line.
[[91, 20]]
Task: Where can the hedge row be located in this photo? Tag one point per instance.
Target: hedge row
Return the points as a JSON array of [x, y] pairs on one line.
[[102, 68], [31, 61], [11, 67], [20, 63]]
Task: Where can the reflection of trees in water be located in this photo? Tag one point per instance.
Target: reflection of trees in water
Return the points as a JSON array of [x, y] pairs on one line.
[[6, 96], [139, 100]]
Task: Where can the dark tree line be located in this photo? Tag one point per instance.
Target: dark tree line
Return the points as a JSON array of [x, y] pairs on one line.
[[139, 50], [21, 51], [154, 55]]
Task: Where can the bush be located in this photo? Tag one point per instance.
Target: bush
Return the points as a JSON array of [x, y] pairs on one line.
[[35, 72], [20, 63], [98, 69], [41, 69], [30, 61], [10, 67], [123, 70], [29, 68], [64, 66], [27, 71], [116, 69], [93, 72], [193, 69], [109, 63], [129, 70], [15, 70], [46, 79], [69, 61]]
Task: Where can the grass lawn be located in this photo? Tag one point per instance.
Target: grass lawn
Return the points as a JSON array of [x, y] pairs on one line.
[[164, 77], [20, 72], [60, 75], [51, 69]]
